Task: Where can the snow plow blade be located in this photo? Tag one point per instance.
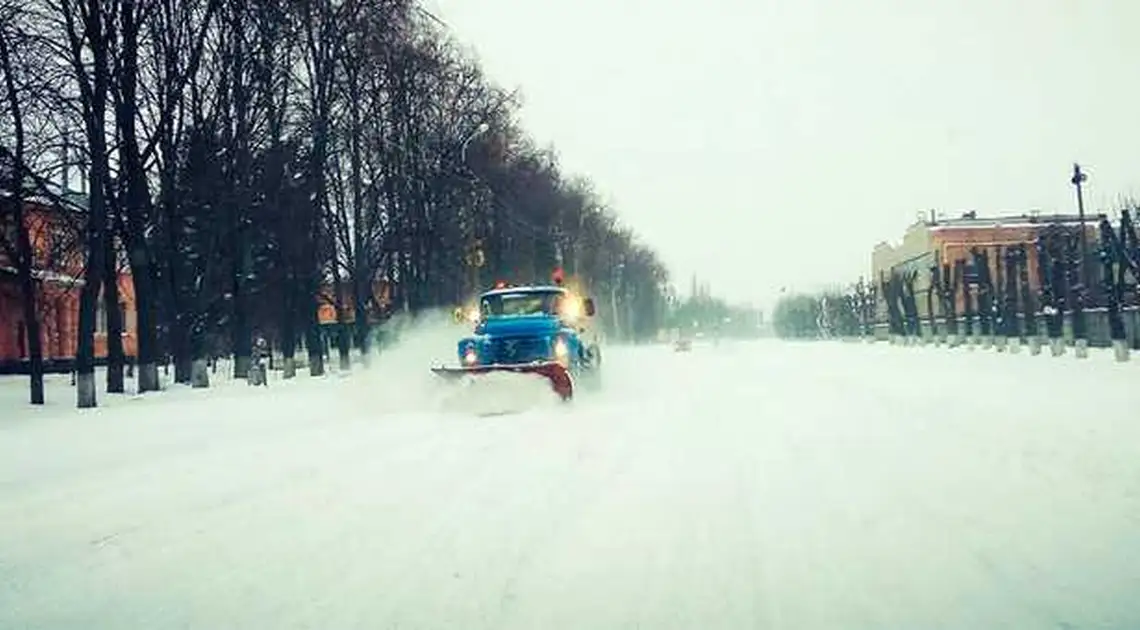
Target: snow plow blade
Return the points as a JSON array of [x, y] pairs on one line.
[[556, 373]]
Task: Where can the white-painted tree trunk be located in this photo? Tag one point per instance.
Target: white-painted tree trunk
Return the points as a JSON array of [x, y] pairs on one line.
[[85, 391], [199, 374], [1120, 350], [148, 377]]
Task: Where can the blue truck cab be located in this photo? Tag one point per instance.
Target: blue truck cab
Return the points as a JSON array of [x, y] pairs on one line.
[[532, 324], [543, 330]]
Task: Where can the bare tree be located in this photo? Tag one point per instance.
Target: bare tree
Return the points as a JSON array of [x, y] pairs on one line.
[[87, 26], [250, 161], [12, 38]]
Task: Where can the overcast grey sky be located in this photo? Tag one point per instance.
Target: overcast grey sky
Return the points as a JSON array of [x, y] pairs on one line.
[[772, 143]]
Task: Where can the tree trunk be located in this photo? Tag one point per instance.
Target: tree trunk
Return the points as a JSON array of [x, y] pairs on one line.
[[136, 200], [115, 358], [1056, 321], [199, 355], [1111, 260], [180, 343], [362, 254], [25, 256], [93, 89], [360, 323], [1028, 308], [1077, 291], [344, 350], [288, 333], [31, 315], [313, 340], [240, 335]]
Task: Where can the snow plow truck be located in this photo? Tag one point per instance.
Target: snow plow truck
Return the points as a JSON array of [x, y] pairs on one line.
[[540, 330]]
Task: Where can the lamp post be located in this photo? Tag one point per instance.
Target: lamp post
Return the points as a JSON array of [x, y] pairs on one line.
[[480, 130], [474, 255], [617, 277], [1079, 178]]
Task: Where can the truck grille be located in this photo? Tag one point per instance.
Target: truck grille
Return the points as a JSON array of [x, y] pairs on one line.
[[519, 350]]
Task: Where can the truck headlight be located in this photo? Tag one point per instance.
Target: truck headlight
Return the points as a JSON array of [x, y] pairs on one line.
[[470, 357], [572, 307], [561, 349]]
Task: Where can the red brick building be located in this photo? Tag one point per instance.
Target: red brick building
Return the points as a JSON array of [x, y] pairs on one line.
[[56, 235], [942, 241]]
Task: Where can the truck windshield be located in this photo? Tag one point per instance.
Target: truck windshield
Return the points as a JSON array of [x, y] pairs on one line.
[[520, 304]]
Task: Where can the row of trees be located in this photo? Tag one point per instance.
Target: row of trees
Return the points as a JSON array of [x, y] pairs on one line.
[[239, 156], [1002, 291], [704, 313]]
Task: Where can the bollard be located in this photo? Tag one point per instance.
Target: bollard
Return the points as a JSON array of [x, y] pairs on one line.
[[1120, 350], [1057, 347], [1014, 345], [1001, 343], [1082, 348], [1035, 345]]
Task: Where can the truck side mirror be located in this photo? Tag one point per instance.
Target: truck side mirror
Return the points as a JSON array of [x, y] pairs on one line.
[[589, 304]]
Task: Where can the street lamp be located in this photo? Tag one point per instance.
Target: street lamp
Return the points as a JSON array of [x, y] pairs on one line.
[[480, 130], [1079, 178], [474, 255]]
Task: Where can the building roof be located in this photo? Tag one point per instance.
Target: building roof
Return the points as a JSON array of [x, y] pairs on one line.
[[53, 192], [1025, 220]]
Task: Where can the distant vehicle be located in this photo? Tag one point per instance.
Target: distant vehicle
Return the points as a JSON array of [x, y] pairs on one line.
[[530, 330], [683, 345]]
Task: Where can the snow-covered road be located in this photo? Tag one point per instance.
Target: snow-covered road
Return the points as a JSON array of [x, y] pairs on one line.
[[758, 485]]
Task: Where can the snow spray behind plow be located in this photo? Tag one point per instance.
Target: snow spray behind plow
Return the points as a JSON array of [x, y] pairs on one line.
[[399, 380]]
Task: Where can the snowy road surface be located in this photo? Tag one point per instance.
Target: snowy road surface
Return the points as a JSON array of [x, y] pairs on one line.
[[753, 485]]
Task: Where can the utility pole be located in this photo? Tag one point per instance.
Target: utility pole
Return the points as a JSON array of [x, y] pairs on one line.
[[1078, 180]]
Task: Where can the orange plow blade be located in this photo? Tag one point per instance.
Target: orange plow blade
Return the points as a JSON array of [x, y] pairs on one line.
[[560, 380]]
